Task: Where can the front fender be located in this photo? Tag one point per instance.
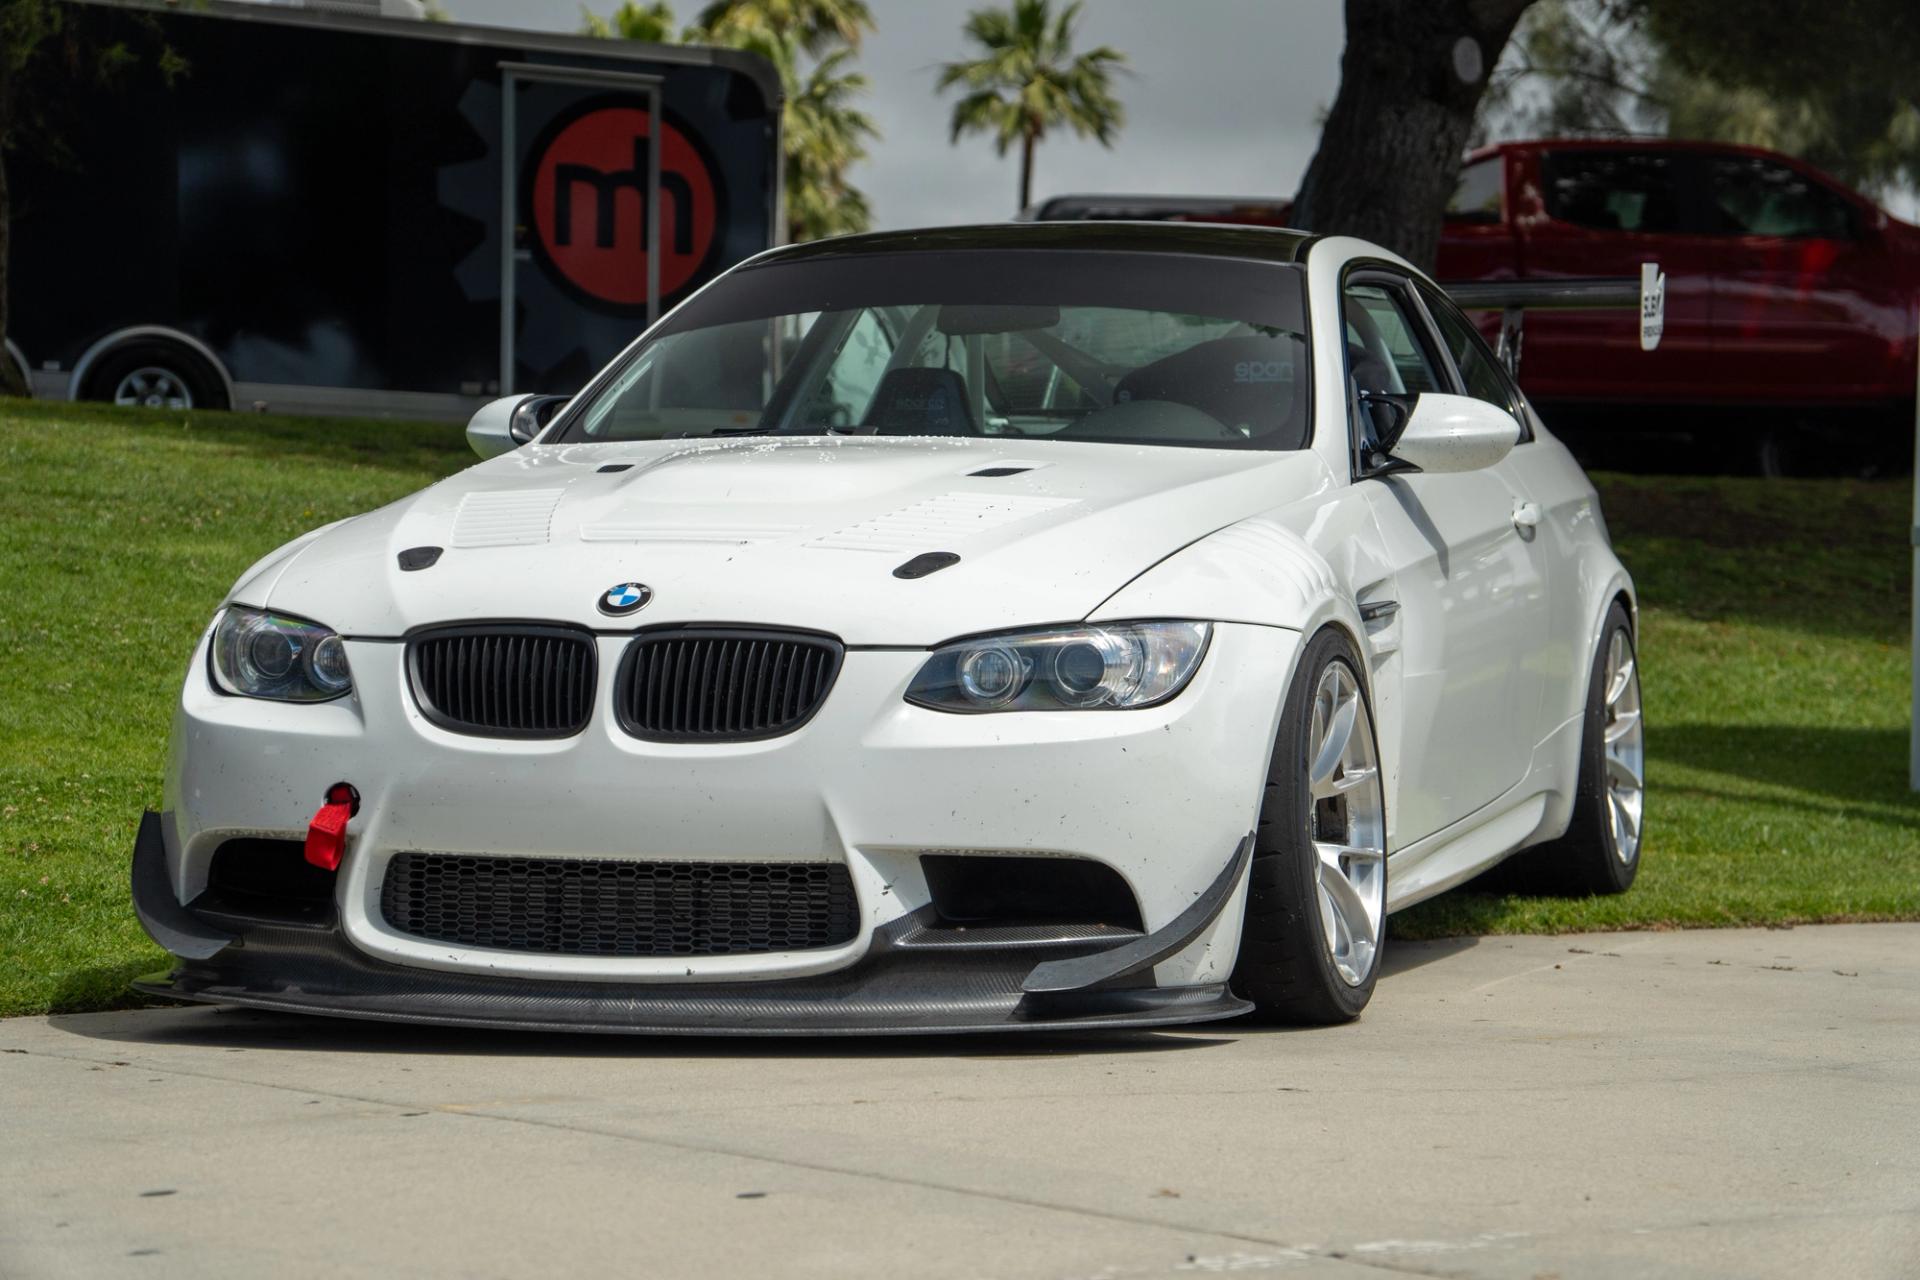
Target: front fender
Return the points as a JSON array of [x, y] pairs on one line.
[[257, 582], [1258, 571]]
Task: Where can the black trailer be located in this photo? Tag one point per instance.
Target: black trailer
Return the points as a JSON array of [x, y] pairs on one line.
[[311, 218]]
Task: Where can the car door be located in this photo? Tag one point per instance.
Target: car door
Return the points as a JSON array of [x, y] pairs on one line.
[[1554, 498], [1804, 304], [1602, 211], [1470, 593]]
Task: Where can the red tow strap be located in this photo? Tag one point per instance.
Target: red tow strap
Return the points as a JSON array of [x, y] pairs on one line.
[[327, 833]]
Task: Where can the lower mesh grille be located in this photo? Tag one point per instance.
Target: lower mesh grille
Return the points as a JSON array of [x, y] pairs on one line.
[[606, 907]]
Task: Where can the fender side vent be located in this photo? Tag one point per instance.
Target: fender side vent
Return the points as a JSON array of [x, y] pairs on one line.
[[995, 473]]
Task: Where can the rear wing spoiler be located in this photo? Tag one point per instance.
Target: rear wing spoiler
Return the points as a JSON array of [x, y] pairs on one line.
[[1514, 298]]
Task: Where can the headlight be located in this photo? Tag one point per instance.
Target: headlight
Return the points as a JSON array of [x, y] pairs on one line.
[[1104, 668], [265, 655]]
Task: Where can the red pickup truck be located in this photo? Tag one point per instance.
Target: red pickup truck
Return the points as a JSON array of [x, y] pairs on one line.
[[1786, 291]]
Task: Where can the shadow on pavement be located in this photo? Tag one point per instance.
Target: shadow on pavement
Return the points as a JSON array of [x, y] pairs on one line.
[[1405, 955]]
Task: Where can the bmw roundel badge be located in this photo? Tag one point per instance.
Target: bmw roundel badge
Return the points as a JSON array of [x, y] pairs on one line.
[[626, 598]]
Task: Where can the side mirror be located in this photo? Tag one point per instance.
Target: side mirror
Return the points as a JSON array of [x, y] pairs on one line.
[[1450, 433], [504, 425]]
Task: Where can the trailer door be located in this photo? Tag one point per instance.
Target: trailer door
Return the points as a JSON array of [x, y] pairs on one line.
[[592, 250]]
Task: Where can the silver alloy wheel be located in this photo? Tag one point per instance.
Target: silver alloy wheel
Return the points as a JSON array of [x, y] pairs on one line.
[[1626, 751], [1349, 824], [154, 388]]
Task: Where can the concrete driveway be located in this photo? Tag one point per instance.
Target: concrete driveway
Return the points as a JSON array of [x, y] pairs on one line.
[[1737, 1103]]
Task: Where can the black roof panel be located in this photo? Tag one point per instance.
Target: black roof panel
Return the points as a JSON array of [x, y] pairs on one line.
[[1263, 244]]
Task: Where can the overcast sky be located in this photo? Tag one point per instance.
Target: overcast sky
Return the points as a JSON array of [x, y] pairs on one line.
[[1223, 99]]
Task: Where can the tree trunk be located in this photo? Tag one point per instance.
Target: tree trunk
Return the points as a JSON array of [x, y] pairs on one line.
[[13, 380], [1410, 81], [1026, 170]]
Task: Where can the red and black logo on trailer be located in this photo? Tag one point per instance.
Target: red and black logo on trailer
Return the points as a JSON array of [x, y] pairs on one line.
[[585, 200]]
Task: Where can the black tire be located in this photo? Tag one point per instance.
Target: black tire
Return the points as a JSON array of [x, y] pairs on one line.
[[1585, 862], [1811, 449], [190, 370], [1285, 967]]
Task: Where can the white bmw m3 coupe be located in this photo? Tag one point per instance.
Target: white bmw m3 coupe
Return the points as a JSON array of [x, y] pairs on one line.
[[1027, 626]]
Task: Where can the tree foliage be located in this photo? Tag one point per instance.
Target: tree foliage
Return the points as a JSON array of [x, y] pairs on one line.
[[1830, 82], [648, 23], [811, 44], [815, 26], [827, 137], [1028, 81]]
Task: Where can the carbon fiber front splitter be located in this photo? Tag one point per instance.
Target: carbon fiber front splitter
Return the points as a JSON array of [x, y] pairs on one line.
[[895, 990], [916, 978]]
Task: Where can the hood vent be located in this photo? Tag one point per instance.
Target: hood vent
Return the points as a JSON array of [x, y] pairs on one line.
[[505, 517], [925, 563], [949, 518], [734, 535]]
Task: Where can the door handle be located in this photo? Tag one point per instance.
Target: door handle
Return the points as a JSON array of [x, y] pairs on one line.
[[1526, 520]]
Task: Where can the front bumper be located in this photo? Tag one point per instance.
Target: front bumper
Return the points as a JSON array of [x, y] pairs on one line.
[[915, 977], [1163, 796]]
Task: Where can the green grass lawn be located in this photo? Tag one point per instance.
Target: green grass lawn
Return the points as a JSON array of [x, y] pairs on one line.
[[1775, 667], [123, 530], [1774, 653]]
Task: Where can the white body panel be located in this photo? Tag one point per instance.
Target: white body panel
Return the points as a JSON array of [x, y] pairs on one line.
[[1477, 680], [871, 781], [802, 532]]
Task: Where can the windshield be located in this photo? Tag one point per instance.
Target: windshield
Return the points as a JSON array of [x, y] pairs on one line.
[[1135, 348]]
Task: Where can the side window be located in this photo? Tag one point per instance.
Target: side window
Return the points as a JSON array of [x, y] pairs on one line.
[[1612, 190], [1753, 196], [1384, 351], [1386, 354], [1477, 194], [1480, 371]]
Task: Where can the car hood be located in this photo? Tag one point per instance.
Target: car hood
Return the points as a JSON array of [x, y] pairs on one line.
[[801, 532]]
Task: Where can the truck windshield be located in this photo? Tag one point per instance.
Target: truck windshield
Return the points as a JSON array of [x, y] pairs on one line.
[[1154, 349]]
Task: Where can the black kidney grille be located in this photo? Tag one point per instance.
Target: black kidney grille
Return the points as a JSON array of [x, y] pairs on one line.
[[717, 686], [527, 682], [607, 907]]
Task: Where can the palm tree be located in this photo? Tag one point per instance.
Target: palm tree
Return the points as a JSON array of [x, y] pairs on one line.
[[822, 133], [648, 23], [826, 136], [815, 25], [1028, 80]]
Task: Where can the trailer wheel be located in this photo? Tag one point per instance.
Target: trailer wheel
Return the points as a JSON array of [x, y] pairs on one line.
[[156, 374]]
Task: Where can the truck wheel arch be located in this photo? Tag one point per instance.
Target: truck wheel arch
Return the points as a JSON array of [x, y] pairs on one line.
[[195, 356]]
